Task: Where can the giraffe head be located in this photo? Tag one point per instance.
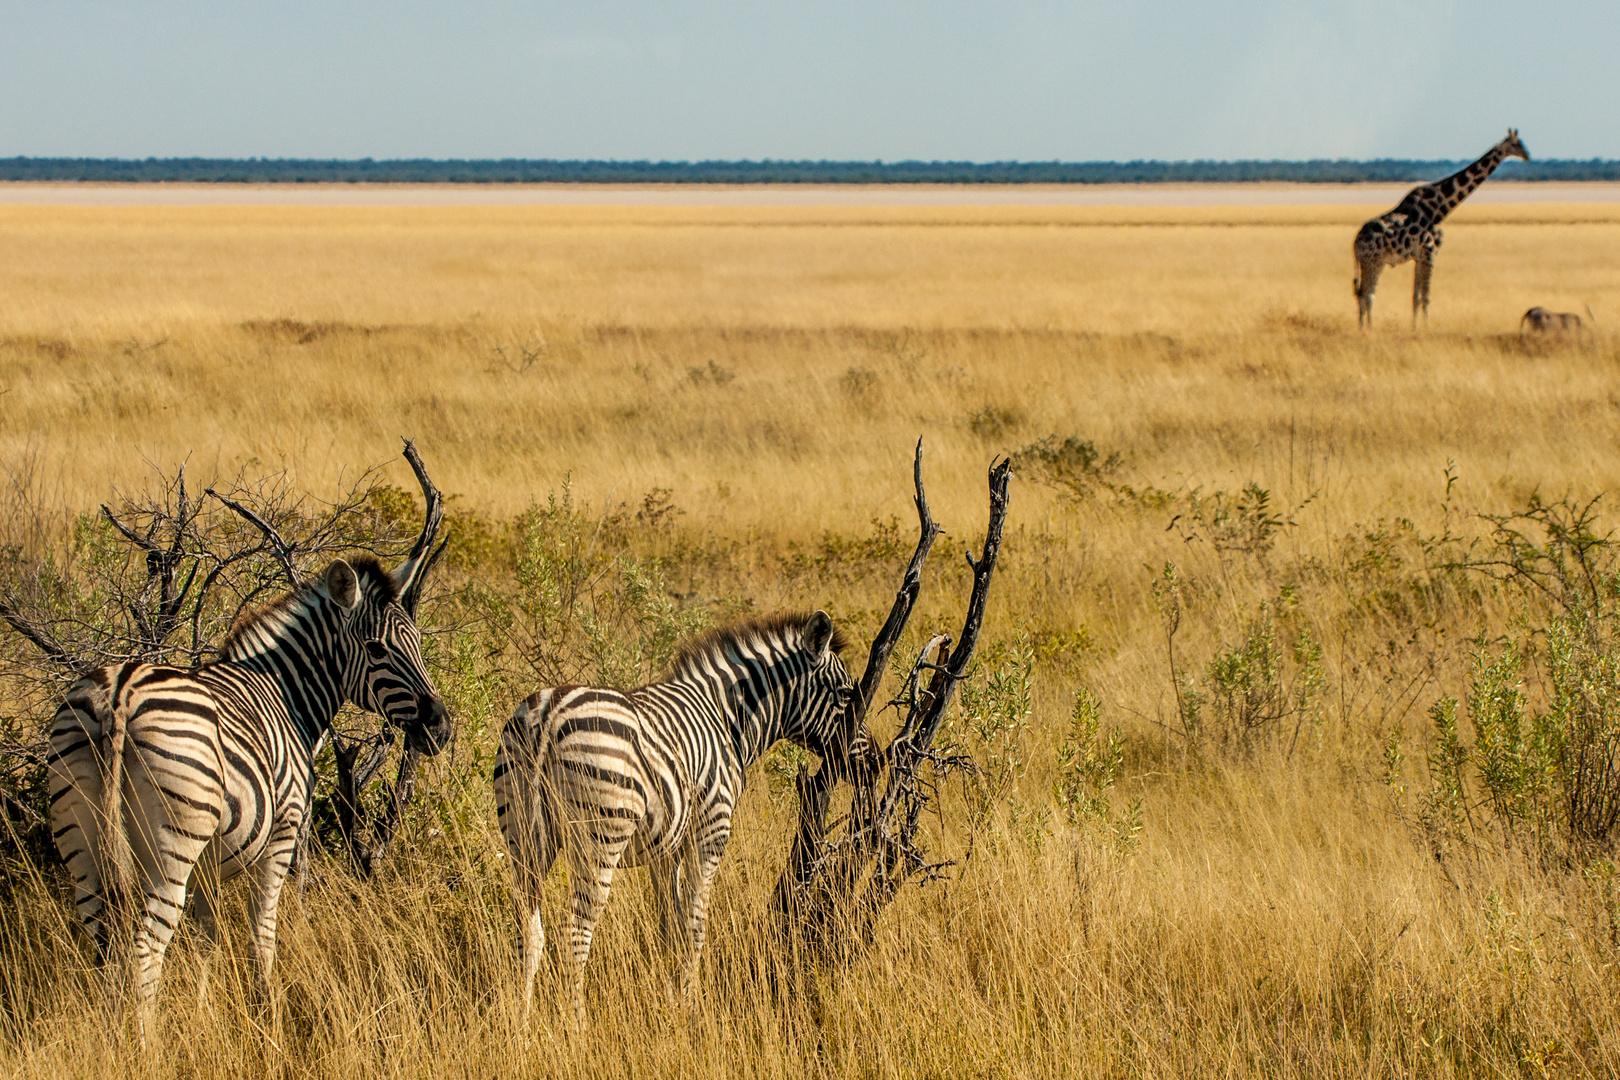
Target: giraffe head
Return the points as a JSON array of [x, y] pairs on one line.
[[1512, 147]]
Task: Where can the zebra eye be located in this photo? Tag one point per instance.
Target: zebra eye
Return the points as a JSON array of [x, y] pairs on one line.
[[376, 650]]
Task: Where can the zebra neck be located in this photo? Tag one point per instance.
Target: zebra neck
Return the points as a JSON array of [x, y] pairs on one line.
[[755, 726], [294, 648]]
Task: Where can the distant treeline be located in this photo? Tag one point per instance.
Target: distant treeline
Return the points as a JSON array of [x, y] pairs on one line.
[[512, 171]]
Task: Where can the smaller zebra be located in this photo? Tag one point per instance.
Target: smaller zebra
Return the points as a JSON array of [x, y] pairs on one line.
[[1539, 318], [651, 776]]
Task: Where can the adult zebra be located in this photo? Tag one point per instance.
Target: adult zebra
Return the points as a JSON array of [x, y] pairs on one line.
[[652, 776], [161, 778]]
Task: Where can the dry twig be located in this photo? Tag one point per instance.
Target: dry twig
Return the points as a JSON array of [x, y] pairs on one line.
[[819, 897]]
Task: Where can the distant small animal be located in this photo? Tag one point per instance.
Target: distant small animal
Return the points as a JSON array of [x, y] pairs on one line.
[[1540, 319], [1412, 229]]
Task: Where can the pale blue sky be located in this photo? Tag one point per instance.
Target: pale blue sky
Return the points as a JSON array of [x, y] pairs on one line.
[[1169, 79]]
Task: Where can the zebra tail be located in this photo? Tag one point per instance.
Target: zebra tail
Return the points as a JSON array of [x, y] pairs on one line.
[[115, 854], [521, 781], [539, 749]]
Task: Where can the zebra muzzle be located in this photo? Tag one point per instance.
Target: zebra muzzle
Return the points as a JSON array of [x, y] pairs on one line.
[[432, 730]]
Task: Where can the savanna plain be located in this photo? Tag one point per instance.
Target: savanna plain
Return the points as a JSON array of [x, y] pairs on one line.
[[1297, 712]]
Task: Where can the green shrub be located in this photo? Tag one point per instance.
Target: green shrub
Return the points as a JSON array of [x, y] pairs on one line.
[[584, 609], [1089, 762]]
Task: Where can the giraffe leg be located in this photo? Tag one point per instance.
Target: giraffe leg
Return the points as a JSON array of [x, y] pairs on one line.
[[1423, 267], [708, 860], [1366, 285], [592, 859]]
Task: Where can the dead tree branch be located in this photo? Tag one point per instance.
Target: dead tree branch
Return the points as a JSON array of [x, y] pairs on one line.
[[433, 515], [815, 789], [279, 547], [353, 772], [816, 895]]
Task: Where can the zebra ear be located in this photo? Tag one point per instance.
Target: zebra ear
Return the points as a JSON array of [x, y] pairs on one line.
[[342, 584], [818, 633]]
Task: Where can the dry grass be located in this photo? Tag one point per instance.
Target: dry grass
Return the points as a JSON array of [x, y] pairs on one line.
[[1282, 915]]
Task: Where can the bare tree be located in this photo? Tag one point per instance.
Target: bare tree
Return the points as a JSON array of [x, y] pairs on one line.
[[833, 888]]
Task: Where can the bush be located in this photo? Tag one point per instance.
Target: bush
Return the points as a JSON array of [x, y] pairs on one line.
[[990, 720], [1543, 768], [584, 608], [1088, 766], [1074, 465]]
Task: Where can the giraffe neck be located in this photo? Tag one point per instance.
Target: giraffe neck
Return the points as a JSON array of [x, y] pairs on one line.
[[1459, 185]]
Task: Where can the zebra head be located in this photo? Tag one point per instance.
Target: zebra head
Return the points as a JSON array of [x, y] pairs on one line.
[[827, 722], [385, 672]]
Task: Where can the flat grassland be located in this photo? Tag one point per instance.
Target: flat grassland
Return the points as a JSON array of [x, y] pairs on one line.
[[766, 371]]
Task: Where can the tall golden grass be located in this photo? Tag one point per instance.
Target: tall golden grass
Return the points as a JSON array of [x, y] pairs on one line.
[[771, 368]]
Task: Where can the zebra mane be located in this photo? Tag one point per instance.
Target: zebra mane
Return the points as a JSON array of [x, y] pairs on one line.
[[375, 583], [784, 626]]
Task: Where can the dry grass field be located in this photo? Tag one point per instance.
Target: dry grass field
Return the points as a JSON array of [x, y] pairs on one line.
[[1281, 910]]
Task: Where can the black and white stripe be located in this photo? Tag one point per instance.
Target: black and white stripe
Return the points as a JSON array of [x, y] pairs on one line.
[[652, 776], [164, 780]]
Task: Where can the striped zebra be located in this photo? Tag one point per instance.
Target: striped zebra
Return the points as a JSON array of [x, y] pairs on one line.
[[652, 776], [164, 780]]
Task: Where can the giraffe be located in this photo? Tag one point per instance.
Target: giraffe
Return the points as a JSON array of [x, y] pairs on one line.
[[1412, 229]]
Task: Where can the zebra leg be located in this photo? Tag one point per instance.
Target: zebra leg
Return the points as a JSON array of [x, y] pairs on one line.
[[666, 885], [698, 916], [592, 859], [205, 912], [667, 878], [531, 862], [167, 835], [75, 779], [164, 894], [268, 878]]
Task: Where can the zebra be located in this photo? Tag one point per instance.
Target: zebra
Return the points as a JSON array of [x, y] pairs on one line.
[[651, 776], [164, 781]]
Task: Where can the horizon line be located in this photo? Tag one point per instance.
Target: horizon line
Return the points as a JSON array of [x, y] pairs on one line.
[[226, 170]]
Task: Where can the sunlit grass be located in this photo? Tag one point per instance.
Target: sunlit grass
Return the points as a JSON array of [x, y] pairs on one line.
[[772, 369]]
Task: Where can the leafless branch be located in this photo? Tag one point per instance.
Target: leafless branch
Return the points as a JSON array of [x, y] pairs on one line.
[[423, 555], [816, 895], [282, 551], [814, 790], [41, 638]]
